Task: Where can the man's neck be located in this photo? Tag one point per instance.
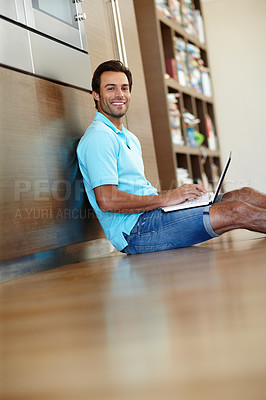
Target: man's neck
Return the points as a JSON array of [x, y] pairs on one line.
[[117, 122]]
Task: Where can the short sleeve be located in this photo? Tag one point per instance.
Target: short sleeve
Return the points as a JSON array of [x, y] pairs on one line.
[[99, 155]]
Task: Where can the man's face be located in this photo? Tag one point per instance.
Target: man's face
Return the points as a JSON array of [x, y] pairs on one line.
[[114, 97]]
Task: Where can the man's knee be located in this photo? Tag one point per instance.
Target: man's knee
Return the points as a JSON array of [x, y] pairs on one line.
[[235, 210], [246, 193], [229, 214], [240, 208], [242, 194]]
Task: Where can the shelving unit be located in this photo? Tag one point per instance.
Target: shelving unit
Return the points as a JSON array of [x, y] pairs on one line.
[[159, 37]]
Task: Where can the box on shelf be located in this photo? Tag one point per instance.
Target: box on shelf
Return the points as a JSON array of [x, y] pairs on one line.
[[162, 7], [191, 71], [175, 119], [175, 10], [194, 138], [188, 19], [181, 60], [199, 26], [211, 136], [194, 64], [206, 81], [171, 69]]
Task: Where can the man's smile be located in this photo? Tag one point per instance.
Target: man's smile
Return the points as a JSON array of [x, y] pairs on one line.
[[118, 103]]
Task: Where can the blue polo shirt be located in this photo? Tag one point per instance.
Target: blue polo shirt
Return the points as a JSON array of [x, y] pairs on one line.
[[108, 156]]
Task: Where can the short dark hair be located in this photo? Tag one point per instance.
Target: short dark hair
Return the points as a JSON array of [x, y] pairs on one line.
[[111, 65]]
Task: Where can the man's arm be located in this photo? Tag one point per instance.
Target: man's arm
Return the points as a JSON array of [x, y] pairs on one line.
[[109, 199]]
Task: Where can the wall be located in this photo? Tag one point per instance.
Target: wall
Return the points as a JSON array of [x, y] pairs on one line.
[[41, 189], [236, 31], [41, 123]]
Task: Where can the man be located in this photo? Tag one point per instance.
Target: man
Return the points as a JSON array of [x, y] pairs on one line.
[[126, 204]]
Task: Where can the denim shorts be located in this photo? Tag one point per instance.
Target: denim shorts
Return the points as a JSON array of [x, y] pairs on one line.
[[157, 230]]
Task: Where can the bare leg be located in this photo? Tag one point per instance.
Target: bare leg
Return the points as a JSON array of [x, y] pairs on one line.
[[244, 208], [248, 195]]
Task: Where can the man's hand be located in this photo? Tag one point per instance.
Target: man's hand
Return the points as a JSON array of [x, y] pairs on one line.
[[182, 193]]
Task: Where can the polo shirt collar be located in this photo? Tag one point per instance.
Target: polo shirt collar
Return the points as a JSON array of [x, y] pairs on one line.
[[100, 117]]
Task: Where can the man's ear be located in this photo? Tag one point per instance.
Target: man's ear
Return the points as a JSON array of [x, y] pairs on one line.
[[95, 95]]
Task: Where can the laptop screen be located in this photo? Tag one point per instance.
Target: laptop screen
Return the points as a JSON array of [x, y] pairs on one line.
[[222, 176]]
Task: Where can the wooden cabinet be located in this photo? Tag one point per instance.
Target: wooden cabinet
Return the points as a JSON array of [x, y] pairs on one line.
[[177, 75]]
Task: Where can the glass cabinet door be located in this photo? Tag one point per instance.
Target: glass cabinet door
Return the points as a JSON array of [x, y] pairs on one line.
[[60, 19], [49, 40], [60, 9]]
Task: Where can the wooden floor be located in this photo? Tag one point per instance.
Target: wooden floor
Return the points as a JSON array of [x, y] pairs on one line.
[[187, 324]]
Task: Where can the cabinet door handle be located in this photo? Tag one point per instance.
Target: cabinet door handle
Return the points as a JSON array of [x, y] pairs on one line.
[[80, 17]]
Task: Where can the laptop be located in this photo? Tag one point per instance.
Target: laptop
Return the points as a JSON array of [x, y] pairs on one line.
[[206, 199]]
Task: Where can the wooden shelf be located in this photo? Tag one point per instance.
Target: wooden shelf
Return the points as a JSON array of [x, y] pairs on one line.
[[178, 29], [171, 83], [158, 36], [198, 151]]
